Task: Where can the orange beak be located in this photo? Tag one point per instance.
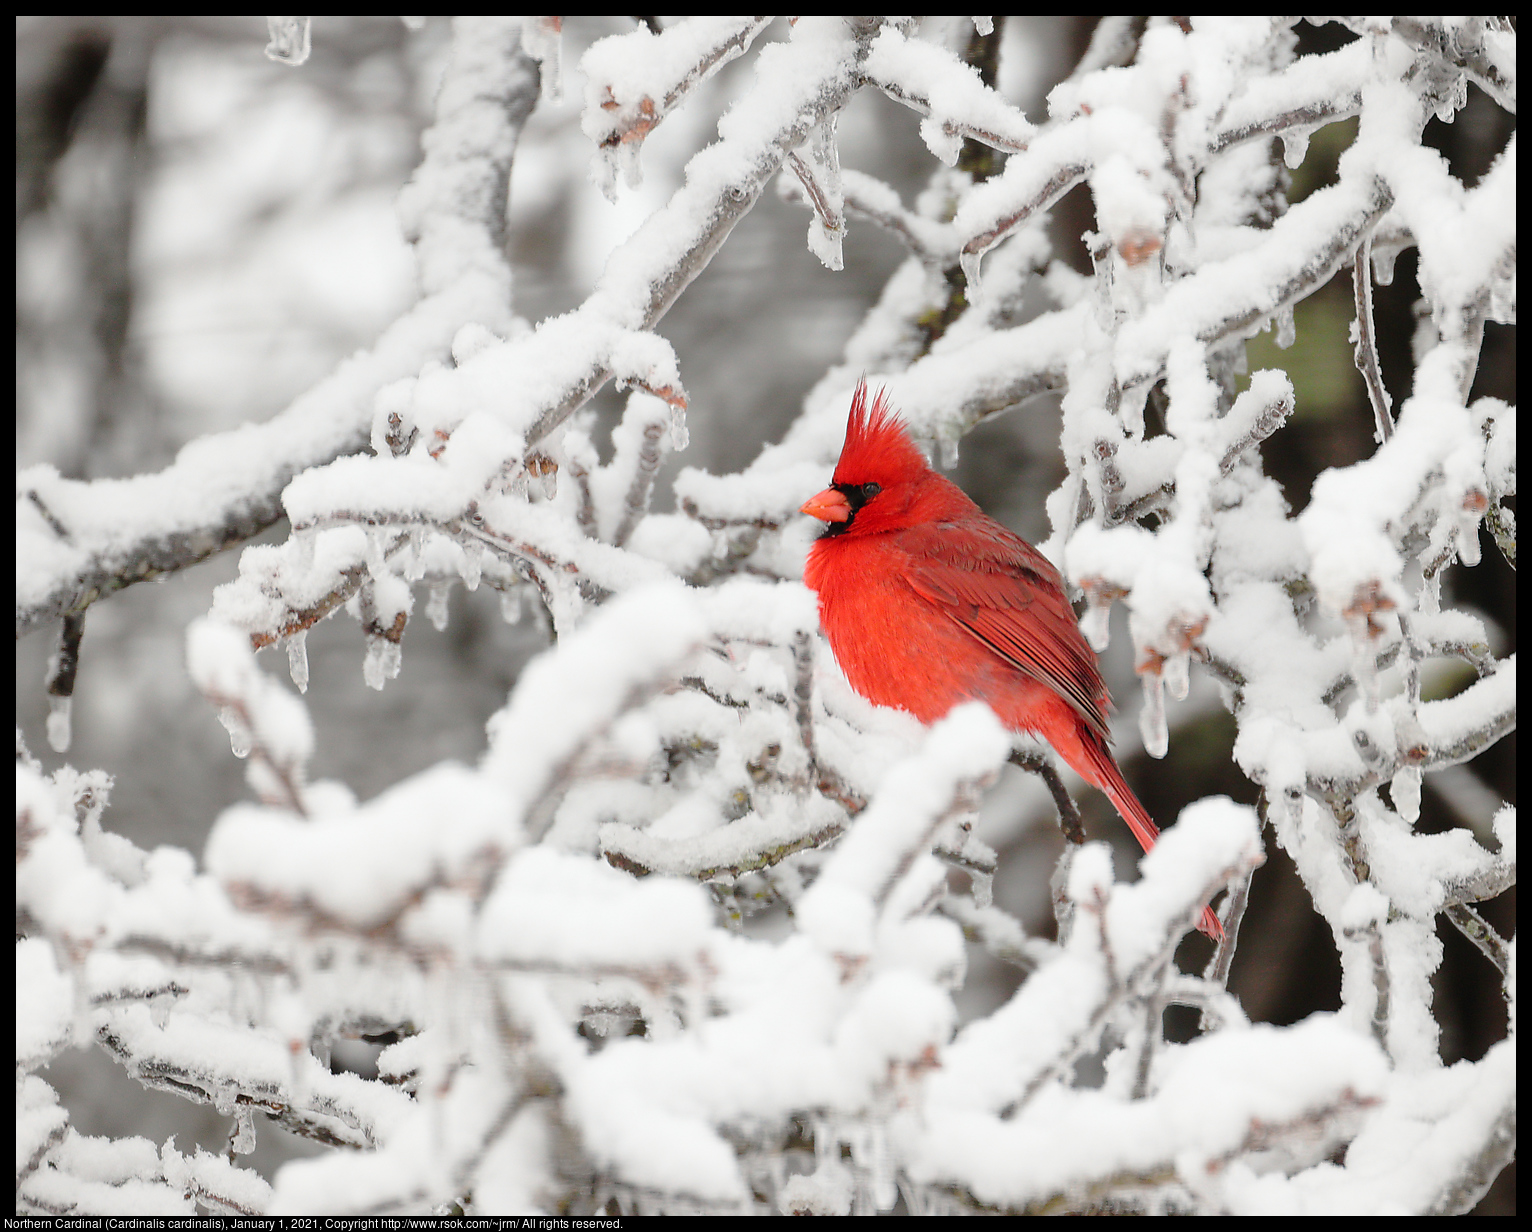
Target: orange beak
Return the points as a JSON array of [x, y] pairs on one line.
[[828, 506]]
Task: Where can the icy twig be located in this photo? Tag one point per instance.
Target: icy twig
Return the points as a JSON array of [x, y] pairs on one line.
[[1476, 928], [1304, 97], [1302, 251], [684, 56], [1382, 982], [635, 505], [933, 81], [1483, 714], [1366, 343], [1041, 765], [820, 177], [1216, 973], [1497, 1149], [1468, 46], [932, 242]]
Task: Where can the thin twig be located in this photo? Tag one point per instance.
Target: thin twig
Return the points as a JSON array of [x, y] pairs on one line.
[[1366, 344]]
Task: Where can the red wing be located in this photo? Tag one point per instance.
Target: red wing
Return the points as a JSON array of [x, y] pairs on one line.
[[1004, 592]]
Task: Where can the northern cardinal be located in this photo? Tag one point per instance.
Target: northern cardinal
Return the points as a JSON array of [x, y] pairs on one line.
[[928, 602]]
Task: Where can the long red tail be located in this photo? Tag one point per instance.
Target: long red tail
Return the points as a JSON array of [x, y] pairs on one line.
[[1108, 777]]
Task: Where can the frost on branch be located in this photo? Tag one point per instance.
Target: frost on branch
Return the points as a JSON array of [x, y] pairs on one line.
[[633, 81], [696, 929]]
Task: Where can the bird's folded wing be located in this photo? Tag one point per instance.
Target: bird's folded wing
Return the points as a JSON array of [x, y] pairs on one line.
[[1004, 592]]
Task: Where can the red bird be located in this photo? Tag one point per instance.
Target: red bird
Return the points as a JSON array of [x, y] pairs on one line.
[[929, 602]]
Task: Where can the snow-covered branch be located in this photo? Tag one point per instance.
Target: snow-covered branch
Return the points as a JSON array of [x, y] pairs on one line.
[[78, 542]]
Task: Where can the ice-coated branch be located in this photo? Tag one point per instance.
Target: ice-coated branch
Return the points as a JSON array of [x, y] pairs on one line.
[[635, 503], [874, 200], [956, 102], [1452, 731], [1029, 185], [1309, 93], [808, 81], [265, 724], [1489, 943], [633, 81], [293, 1090], [820, 176], [1482, 47], [454, 207], [1495, 1136], [1366, 342], [1130, 933], [1300, 253]]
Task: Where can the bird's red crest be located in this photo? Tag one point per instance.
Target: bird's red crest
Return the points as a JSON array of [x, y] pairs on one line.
[[878, 445]]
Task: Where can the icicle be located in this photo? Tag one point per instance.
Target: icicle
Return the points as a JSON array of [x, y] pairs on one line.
[[1295, 147], [885, 1174], [680, 435], [436, 605], [243, 1138], [550, 482], [224, 1096], [1096, 624], [510, 605], [1452, 100], [239, 734], [877, 1188], [982, 886], [160, 1004], [540, 40], [375, 560], [298, 659], [414, 557], [826, 244], [58, 723], [603, 173], [1287, 330], [1383, 265], [630, 162], [382, 662], [1130, 408], [1405, 790], [1468, 537], [472, 567], [969, 261], [290, 40], [1431, 595], [287, 1016], [1151, 719], [1364, 667], [947, 448], [1177, 676]]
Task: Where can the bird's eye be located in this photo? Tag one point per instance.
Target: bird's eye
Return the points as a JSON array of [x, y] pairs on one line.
[[869, 490]]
